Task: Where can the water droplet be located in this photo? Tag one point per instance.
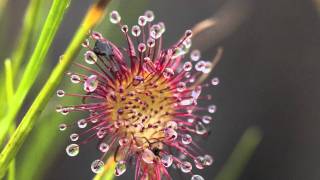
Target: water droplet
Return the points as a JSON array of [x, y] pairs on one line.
[[59, 108], [120, 168], [187, 102], [171, 125], [114, 17], [86, 43], [200, 66], [167, 160], [123, 141], [162, 27], [155, 31], [200, 129], [196, 92], [199, 162], [60, 93], [187, 66], [212, 109], [97, 166], [149, 15], [96, 36], [74, 137], [197, 177], [195, 55], [142, 47], [151, 43], [104, 147], [186, 139], [72, 150], [148, 156], [188, 33], [168, 73], [101, 133], [90, 57], [136, 31], [215, 81], [206, 119], [207, 67], [82, 123], [208, 160], [75, 79], [62, 127], [170, 134], [181, 86], [186, 167], [64, 111], [91, 83], [142, 21]]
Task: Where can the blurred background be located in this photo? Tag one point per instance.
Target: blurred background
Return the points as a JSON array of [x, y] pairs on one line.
[[269, 74]]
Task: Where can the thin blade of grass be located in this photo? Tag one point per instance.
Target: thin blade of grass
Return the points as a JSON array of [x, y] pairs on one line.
[[240, 155], [24, 38], [32, 70], [92, 17], [9, 94]]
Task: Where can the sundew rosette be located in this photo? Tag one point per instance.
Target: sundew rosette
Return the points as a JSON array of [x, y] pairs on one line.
[[142, 102]]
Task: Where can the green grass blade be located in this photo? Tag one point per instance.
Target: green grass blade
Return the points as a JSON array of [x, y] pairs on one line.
[[50, 28], [9, 94], [11, 149], [25, 35], [240, 155]]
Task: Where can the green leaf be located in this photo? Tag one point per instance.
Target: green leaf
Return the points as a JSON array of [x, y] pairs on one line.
[[94, 14], [34, 64], [240, 155]]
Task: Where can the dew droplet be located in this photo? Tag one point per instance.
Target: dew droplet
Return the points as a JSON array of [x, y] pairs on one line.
[[151, 43], [215, 81], [200, 66], [148, 156], [181, 86], [104, 147], [149, 15], [64, 111], [97, 166], [171, 125], [187, 66], [62, 127], [167, 160], [60, 93], [162, 27], [72, 150], [186, 167], [188, 33], [75, 79], [101, 133], [96, 36], [123, 141], [199, 162], [195, 55], [186, 139], [168, 73], [170, 134], [120, 168], [85, 43], [200, 128], [90, 57], [142, 47], [208, 160], [197, 177], [91, 83], [155, 31], [207, 67], [114, 17], [212, 109], [206, 119], [74, 137], [142, 20], [136, 31], [82, 123], [124, 28]]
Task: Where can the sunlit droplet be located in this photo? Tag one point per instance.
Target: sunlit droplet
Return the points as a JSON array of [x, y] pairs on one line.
[[60, 93], [82, 123], [167, 160], [206, 119], [75, 79], [120, 168], [186, 167], [72, 150], [74, 137], [91, 83], [195, 55], [104, 147], [97, 166], [215, 81], [90, 57], [148, 156], [186, 139], [212, 109], [62, 127], [197, 177], [114, 17]]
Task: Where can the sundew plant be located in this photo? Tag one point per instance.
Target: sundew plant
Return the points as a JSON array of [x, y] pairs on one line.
[[147, 107]]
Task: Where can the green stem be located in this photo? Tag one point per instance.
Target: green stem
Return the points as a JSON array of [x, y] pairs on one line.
[[9, 94], [25, 35], [32, 70], [240, 155], [11, 149]]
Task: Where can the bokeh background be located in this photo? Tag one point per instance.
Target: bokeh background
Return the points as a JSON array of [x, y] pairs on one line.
[[269, 73]]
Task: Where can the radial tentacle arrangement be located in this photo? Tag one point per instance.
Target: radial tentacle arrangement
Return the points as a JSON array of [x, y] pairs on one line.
[[143, 102]]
